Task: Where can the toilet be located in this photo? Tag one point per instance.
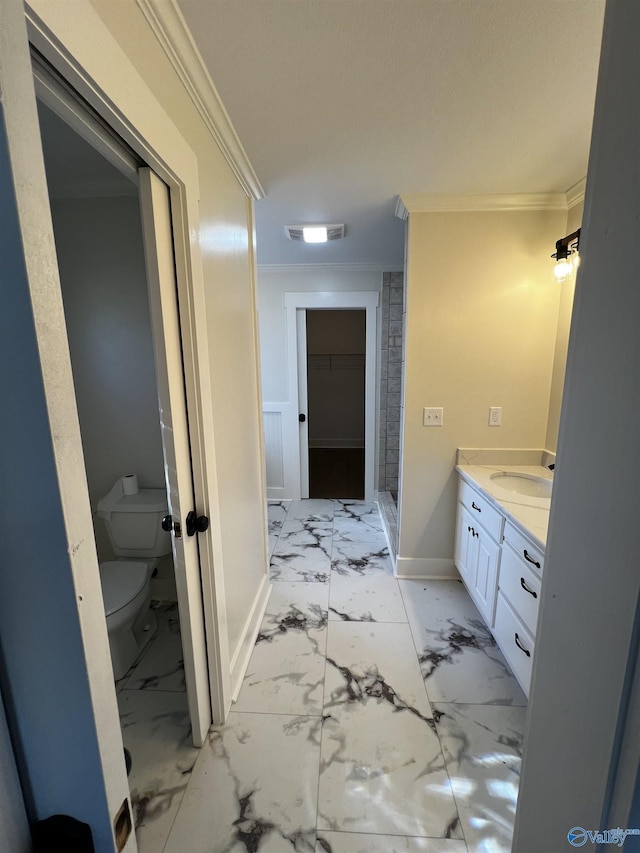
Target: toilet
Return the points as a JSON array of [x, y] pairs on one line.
[[133, 522]]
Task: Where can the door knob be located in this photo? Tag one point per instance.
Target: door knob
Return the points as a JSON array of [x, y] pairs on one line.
[[196, 523], [171, 526], [302, 417]]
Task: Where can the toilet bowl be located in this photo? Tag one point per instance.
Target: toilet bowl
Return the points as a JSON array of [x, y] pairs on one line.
[[134, 525], [131, 623]]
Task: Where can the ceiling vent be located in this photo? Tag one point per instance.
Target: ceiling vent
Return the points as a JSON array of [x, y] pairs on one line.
[[295, 232]]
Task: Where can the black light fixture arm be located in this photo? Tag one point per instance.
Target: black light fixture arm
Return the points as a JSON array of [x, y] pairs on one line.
[[567, 245]]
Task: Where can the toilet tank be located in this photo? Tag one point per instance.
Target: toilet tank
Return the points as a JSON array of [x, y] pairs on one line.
[[134, 522]]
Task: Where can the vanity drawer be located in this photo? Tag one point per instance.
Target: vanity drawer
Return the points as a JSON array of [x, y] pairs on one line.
[[520, 586], [524, 548], [515, 642], [480, 509]]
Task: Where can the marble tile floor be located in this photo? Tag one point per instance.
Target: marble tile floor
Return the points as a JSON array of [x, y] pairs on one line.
[[376, 715], [156, 730]]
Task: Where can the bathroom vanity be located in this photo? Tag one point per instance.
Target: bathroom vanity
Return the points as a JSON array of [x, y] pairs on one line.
[[501, 530]]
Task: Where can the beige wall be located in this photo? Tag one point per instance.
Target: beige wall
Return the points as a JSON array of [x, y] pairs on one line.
[[567, 290], [482, 309]]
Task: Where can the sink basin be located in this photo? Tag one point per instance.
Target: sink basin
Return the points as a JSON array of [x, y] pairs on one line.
[[523, 484]]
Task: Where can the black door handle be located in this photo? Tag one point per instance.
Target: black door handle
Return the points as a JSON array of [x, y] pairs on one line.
[[196, 523], [302, 417], [171, 526]]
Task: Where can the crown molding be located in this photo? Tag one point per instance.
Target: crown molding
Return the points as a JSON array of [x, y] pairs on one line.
[[575, 194], [168, 25], [428, 203], [330, 268], [401, 210]]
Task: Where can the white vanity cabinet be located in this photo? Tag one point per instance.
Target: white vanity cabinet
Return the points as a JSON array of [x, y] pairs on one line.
[[477, 549], [519, 585], [502, 571]]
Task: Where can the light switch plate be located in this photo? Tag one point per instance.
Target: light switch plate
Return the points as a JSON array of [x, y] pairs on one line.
[[432, 416], [495, 416]]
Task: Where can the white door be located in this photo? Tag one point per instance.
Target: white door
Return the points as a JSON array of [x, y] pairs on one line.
[[303, 401], [158, 247], [296, 454]]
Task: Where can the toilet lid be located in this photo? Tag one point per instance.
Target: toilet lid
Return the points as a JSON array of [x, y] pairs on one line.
[[121, 581]]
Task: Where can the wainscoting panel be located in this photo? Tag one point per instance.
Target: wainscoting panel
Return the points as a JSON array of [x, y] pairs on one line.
[[278, 450]]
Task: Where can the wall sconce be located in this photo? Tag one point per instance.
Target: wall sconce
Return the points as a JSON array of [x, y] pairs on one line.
[[566, 255]]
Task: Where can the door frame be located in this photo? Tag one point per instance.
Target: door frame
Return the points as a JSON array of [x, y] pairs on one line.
[[133, 113], [297, 303]]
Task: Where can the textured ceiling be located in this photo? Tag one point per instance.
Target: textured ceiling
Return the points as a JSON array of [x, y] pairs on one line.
[[342, 105]]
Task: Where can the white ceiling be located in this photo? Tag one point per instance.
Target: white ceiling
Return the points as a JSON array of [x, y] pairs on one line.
[[342, 105]]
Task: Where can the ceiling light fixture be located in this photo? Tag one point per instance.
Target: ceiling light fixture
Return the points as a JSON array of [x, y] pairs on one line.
[[314, 233], [566, 255]]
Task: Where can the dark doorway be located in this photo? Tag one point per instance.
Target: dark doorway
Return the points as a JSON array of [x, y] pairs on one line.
[[336, 396]]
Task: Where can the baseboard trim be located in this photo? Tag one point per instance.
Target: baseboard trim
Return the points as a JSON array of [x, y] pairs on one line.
[[242, 654], [426, 568]]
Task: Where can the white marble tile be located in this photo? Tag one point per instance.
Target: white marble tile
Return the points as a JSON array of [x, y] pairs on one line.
[[254, 788], [276, 514], [482, 746], [161, 666], [382, 769], [354, 842], [157, 732], [369, 597], [360, 558], [273, 541], [459, 658], [359, 530], [315, 509], [286, 670], [303, 551], [366, 511]]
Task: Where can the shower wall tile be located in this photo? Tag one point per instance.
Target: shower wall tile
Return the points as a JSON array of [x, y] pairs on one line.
[[391, 366]]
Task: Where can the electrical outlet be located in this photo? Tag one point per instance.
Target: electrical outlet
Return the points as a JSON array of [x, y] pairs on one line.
[[495, 416], [432, 416]]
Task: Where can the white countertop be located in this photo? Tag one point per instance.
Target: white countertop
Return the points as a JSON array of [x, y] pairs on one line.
[[530, 514]]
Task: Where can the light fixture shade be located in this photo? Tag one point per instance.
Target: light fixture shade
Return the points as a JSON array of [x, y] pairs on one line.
[[563, 269], [566, 255], [314, 233]]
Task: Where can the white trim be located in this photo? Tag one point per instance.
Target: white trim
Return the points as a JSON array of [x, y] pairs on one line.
[[369, 300], [242, 654], [303, 400], [332, 299], [330, 268], [401, 210], [426, 568], [427, 203], [575, 194], [169, 27]]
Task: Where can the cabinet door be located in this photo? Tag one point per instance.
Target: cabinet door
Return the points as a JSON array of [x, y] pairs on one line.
[[466, 547], [486, 579]]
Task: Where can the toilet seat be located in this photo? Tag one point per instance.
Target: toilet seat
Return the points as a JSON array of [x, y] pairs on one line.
[[121, 581]]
